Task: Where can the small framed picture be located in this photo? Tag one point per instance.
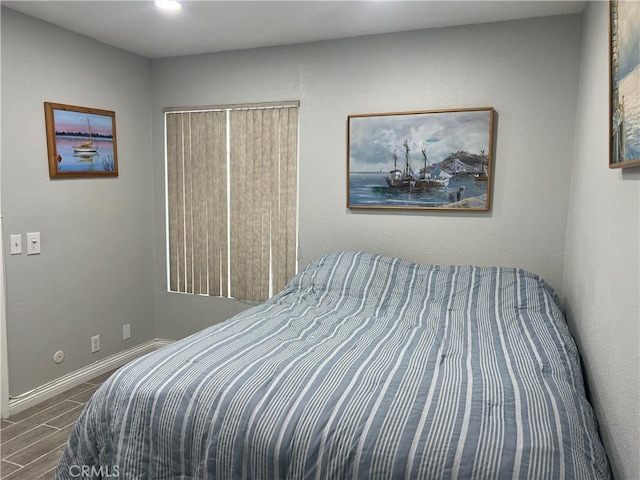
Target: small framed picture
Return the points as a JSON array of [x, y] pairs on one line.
[[440, 159], [81, 141]]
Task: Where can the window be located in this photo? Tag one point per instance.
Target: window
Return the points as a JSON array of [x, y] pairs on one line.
[[232, 199]]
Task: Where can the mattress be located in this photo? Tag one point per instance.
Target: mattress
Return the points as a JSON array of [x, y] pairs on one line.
[[364, 366]]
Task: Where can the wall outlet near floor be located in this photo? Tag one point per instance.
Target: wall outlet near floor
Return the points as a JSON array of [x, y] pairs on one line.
[[95, 344], [126, 331]]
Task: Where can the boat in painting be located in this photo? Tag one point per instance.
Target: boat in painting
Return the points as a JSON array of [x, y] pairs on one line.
[[484, 175], [412, 179], [87, 147]]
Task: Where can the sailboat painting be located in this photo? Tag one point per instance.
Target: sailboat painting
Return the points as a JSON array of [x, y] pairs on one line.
[[439, 159], [81, 141]]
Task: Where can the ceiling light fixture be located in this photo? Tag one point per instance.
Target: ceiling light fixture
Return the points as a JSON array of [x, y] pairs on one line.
[[168, 4]]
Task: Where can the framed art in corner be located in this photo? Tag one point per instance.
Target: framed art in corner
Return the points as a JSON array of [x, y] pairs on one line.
[[436, 160], [81, 141], [624, 83]]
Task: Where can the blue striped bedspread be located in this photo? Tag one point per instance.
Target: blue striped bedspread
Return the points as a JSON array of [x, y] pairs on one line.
[[363, 367]]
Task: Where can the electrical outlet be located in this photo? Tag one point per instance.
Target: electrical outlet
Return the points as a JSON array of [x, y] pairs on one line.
[[33, 243], [95, 344], [126, 331]]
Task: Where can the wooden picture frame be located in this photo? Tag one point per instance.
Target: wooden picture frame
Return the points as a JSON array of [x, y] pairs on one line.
[[624, 84], [81, 141], [433, 160]]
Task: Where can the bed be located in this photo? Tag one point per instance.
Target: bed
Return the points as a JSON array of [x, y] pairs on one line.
[[364, 366]]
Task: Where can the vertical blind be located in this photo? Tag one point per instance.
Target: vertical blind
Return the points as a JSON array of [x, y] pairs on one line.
[[232, 199]]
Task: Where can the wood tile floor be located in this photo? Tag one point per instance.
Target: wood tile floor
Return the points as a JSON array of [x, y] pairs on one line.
[[32, 441]]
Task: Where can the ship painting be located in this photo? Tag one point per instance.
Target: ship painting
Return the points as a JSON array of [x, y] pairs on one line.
[[439, 159], [416, 180]]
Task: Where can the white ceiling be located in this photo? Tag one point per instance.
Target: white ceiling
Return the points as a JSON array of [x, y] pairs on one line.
[[216, 26]]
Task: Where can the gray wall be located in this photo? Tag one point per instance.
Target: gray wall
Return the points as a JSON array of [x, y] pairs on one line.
[[527, 70], [95, 272], [602, 264]]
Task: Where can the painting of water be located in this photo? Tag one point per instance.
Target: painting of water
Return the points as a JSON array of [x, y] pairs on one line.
[[81, 141], [421, 160]]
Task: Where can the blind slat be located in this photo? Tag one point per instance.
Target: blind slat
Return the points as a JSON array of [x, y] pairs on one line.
[[217, 204], [198, 165], [188, 211], [292, 188], [173, 201]]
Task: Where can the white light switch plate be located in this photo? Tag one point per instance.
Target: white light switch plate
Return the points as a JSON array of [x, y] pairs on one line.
[[16, 244], [33, 243]]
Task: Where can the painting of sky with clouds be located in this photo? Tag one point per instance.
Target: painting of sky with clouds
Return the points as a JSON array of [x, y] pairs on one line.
[[374, 139]]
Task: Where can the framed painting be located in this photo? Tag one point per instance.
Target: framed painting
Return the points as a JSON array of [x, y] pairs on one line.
[[437, 160], [624, 84], [81, 141]]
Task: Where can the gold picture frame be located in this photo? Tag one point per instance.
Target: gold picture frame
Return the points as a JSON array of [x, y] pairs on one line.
[[424, 160], [81, 141]]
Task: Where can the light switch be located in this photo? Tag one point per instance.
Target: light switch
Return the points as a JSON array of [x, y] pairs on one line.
[[33, 243], [16, 244]]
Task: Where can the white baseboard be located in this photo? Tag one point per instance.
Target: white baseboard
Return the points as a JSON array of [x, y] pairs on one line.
[[64, 383]]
